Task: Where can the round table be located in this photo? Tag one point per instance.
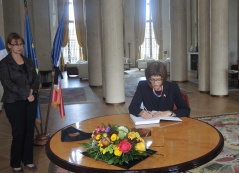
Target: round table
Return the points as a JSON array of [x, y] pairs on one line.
[[186, 145]]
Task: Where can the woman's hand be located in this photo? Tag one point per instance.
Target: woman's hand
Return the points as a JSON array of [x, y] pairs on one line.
[[146, 114], [161, 114], [31, 97]]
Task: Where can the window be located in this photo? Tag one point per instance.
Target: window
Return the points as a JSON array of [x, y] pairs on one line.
[[72, 51], [149, 49]]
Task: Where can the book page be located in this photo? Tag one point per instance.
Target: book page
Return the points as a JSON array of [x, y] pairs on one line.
[[141, 121]]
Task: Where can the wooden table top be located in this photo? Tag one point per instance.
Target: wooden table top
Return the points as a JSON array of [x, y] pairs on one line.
[[186, 145]]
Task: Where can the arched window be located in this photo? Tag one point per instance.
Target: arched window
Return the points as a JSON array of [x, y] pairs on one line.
[[149, 49], [72, 51]]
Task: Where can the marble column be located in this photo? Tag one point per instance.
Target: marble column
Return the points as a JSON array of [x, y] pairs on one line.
[[13, 15], [178, 21], [219, 48], [1, 21], [3, 39], [44, 30], [94, 48], [113, 51], [129, 35], [165, 31], [204, 46]]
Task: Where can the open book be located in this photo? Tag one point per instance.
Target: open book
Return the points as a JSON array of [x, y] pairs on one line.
[[141, 121]]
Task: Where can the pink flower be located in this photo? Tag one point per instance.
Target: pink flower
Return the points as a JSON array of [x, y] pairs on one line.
[[99, 129], [125, 146]]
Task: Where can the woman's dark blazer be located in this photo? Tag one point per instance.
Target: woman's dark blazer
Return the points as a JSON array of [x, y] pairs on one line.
[[171, 95], [16, 83]]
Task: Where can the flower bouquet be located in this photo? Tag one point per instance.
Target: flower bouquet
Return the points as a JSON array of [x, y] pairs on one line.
[[116, 145]]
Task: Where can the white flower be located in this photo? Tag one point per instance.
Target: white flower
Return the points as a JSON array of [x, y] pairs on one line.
[[123, 131]]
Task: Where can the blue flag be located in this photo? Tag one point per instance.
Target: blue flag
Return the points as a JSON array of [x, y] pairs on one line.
[[30, 53], [57, 101], [57, 44], [3, 51], [3, 54]]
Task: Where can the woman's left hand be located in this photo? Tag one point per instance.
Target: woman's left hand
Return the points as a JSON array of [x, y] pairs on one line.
[[161, 114], [31, 98]]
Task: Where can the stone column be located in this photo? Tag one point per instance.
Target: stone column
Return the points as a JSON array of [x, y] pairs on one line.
[[178, 21], [165, 31], [113, 51], [13, 14], [93, 25], [129, 35], [204, 46], [1, 22], [219, 48], [44, 31], [3, 39]]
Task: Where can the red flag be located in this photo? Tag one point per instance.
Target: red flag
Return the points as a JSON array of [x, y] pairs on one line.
[[57, 100]]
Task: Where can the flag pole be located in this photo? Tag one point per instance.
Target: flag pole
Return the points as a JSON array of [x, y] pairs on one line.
[[49, 103], [45, 136], [41, 138], [54, 95]]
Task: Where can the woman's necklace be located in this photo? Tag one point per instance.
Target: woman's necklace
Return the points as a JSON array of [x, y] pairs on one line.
[[160, 94]]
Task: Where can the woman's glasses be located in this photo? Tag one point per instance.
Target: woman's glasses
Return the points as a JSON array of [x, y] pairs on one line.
[[155, 80], [17, 45]]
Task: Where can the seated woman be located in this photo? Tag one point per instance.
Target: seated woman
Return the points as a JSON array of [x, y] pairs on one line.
[[158, 95]]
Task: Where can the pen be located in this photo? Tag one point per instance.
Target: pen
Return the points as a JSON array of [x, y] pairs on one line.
[[146, 110]]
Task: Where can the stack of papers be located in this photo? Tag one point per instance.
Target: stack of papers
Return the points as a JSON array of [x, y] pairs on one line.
[[141, 121]]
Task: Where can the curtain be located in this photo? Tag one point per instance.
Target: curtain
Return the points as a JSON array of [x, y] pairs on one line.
[[61, 4], [140, 19], [155, 6], [80, 25]]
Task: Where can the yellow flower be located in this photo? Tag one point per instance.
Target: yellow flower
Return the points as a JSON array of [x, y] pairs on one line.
[[131, 135], [114, 137], [137, 134], [102, 150], [140, 139], [97, 137], [100, 143], [117, 152], [140, 146]]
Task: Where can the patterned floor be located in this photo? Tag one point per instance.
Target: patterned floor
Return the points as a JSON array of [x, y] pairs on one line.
[[228, 160]]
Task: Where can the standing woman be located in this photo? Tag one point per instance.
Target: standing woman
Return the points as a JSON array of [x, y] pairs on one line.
[[20, 84]]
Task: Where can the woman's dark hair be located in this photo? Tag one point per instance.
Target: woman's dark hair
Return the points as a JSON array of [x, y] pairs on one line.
[[10, 37], [156, 68]]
